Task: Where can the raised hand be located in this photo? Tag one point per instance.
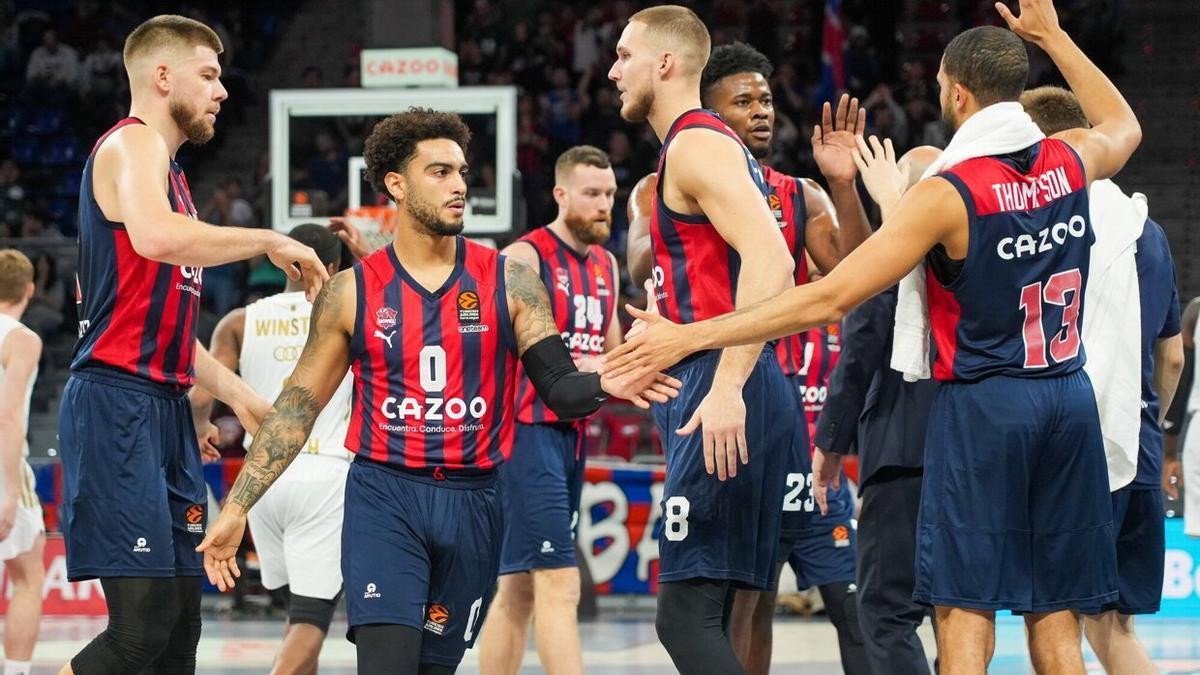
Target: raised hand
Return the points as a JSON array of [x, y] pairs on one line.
[[1037, 22], [351, 236], [833, 139], [651, 308], [884, 180]]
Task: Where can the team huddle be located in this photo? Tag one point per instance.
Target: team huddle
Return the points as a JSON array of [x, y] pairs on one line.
[[416, 414]]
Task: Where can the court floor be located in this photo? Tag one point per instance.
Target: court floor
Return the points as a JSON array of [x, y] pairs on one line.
[[620, 642]]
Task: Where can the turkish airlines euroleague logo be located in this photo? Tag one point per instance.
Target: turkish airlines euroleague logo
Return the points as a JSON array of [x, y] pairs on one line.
[[468, 313], [436, 619], [195, 519]]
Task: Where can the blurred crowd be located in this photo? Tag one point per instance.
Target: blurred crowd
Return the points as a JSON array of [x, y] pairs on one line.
[[62, 84]]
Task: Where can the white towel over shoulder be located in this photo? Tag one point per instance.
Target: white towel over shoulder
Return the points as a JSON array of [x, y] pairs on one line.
[[996, 130], [1111, 305]]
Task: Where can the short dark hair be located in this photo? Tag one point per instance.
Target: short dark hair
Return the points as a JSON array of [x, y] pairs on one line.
[[990, 62], [393, 142], [320, 239], [1054, 109], [588, 155], [732, 59]]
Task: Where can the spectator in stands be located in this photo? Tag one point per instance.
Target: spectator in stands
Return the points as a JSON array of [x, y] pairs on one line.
[[36, 224], [44, 314], [327, 171], [886, 118], [222, 283], [103, 72], [563, 107], [52, 69], [862, 66], [84, 29], [312, 77], [593, 37], [12, 195]]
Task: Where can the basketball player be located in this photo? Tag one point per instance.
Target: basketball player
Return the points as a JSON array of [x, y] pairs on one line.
[[431, 326], [541, 485], [22, 530], [133, 494], [1014, 407], [1138, 525], [709, 212], [298, 527], [735, 86]]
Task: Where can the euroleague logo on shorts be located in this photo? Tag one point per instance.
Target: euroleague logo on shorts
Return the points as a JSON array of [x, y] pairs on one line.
[[468, 313], [841, 536], [195, 519], [436, 619]]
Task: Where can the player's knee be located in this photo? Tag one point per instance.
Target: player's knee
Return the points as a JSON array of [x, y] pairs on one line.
[[317, 612], [27, 571], [515, 594], [126, 646], [558, 587]]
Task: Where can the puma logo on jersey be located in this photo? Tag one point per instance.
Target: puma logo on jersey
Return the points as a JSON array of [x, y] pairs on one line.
[[386, 337]]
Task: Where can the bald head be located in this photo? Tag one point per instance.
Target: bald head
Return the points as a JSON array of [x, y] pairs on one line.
[[676, 30], [918, 160]]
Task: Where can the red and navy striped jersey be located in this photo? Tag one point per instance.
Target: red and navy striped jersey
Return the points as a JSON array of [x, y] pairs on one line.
[[695, 270], [786, 199], [583, 290], [1016, 306], [135, 314], [819, 352], [434, 372]]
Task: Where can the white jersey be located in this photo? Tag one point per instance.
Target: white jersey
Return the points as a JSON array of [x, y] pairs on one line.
[[274, 335], [8, 325]]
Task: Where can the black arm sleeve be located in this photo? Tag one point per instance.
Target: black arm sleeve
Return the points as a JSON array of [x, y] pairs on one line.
[[569, 393]]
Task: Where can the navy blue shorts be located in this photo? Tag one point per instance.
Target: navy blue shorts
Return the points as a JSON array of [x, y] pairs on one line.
[[826, 553], [1141, 550], [799, 509], [539, 488], [134, 498], [725, 530], [420, 553], [1015, 510]]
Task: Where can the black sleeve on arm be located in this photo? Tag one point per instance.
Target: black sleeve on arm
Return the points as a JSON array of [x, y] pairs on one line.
[[568, 392]]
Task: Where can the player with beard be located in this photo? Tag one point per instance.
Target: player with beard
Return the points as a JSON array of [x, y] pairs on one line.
[[709, 215], [133, 494], [432, 326], [734, 85], [1014, 406], [541, 485]]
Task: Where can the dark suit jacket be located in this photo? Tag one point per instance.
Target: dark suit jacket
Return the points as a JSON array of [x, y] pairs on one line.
[[869, 406]]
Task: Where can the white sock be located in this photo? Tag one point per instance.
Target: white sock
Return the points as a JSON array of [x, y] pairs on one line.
[[18, 667]]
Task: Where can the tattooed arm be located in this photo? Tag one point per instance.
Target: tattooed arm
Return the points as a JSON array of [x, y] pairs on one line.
[[568, 392], [285, 430]]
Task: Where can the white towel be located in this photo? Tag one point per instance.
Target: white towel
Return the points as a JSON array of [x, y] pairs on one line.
[[1112, 304], [998, 129]]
